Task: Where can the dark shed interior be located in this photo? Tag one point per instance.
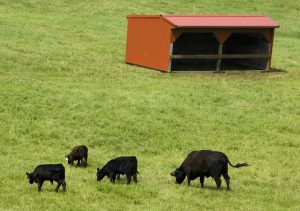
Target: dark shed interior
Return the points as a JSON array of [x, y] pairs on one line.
[[194, 51], [195, 44], [245, 43]]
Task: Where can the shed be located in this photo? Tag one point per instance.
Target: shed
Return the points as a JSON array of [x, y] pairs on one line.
[[200, 42]]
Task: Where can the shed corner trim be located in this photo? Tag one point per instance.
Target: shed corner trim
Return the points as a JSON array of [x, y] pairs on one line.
[[168, 21]]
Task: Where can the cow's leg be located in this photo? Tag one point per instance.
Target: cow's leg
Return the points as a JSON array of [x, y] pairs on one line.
[[64, 185], [188, 180], [40, 184], [118, 176], [128, 178], [78, 162], [218, 181], [227, 179], [59, 183], [134, 176], [84, 162], [226, 176], [202, 181], [112, 177]]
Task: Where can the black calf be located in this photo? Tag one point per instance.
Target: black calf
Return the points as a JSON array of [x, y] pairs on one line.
[[117, 166], [48, 172]]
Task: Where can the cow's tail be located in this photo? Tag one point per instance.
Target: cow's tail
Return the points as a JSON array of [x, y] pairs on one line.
[[238, 165]]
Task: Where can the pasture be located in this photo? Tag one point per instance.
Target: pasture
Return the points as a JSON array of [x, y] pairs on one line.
[[64, 82]]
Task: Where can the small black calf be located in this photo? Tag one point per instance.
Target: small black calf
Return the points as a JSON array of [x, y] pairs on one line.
[[79, 153], [50, 172], [117, 166]]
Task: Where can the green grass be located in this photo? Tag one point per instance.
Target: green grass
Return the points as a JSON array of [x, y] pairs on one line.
[[63, 82]]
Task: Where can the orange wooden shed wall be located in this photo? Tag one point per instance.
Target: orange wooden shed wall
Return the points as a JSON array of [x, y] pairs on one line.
[[148, 42]]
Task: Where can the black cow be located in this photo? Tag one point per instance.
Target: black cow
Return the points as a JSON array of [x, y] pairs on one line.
[[79, 153], [51, 172], [205, 163], [117, 166]]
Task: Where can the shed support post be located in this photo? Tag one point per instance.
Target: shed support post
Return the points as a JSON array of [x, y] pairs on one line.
[[269, 57], [219, 56], [170, 57], [270, 45]]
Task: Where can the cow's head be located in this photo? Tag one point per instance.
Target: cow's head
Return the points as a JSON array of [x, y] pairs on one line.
[[100, 174], [70, 158], [31, 177], [179, 174]]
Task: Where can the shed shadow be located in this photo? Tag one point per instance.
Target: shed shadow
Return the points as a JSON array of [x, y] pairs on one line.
[[275, 70]]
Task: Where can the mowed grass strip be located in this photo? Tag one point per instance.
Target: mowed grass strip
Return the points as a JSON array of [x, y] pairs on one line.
[[63, 82]]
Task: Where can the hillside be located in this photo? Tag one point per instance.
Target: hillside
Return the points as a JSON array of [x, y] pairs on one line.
[[64, 82]]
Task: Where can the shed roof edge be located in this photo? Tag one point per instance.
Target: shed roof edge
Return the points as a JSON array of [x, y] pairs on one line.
[[164, 17], [143, 16], [153, 16], [273, 25]]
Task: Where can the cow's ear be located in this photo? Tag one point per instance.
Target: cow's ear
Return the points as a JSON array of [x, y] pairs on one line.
[[173, 174], [27, 174], [98, 169], [66, 156]]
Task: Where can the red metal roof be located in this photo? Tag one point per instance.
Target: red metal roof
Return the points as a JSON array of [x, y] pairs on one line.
[[209, 21]]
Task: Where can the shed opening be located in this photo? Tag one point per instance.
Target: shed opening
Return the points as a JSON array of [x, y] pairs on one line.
[[190, 47], [194, 64], [202, 51], [249, 51], [195, 43]]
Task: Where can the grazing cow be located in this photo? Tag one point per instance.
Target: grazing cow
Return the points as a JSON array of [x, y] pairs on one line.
[[205, 163], [117, 166], [51, 172], [79, 153]]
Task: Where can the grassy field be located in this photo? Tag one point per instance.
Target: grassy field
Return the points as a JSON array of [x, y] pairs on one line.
[[64, 82]]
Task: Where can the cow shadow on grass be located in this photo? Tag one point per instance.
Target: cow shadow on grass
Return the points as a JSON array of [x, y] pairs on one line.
[[122, 180], [209, 187], [212, 188], [80, 166], [50, 188]]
